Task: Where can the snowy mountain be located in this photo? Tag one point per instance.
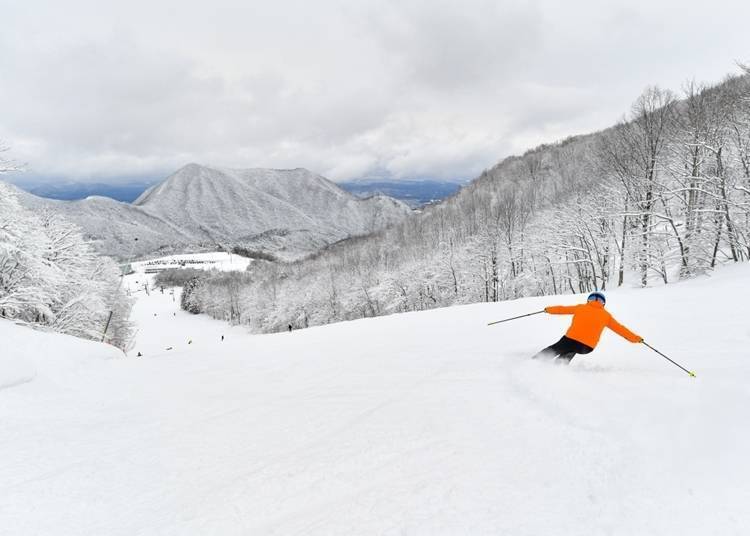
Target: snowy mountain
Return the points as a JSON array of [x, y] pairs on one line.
[[423, 423], [289, 212], [229, 204], [113, 226]]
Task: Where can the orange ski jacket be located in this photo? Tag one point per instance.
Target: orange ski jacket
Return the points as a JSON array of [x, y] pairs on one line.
[[589, 320]]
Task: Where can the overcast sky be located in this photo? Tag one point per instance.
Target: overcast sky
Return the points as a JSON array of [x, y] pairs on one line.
[[97, 90]]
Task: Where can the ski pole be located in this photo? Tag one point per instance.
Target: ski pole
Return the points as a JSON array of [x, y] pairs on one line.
[[665, 357], [514, 318]]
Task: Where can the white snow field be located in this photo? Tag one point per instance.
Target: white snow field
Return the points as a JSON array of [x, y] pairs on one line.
[[424, 423], [215, 260]]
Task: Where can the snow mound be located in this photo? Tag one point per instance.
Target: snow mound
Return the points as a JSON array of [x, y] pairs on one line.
[[28, 353], [16, 366]]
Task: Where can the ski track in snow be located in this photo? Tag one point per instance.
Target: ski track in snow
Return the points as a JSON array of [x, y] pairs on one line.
[[424, 423]]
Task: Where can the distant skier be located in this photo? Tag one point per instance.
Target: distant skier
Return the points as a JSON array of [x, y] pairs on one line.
[[589, 320], [290, 327], [222, 338]]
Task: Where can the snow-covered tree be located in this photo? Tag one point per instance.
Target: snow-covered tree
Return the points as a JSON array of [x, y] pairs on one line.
[[50, 277]]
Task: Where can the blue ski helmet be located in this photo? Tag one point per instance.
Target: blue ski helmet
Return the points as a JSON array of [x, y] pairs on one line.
[[598, 296]]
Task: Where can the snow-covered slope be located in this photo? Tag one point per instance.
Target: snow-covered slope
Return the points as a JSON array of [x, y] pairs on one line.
[[288, 212], [30, 355], [423, 423], [113, 226]]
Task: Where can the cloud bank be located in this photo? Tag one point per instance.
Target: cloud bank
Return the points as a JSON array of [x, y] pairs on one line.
[[405, 89]]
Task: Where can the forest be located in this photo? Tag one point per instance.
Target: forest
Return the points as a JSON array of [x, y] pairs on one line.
[[51, 278], [661, 196]]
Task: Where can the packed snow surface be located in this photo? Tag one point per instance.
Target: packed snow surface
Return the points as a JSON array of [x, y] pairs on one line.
[[422, 423]]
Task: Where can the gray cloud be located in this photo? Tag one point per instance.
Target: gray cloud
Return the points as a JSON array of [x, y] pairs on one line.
[[97, 90], [448, 46]]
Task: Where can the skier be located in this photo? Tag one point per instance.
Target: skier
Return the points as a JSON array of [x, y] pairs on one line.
[[589, 320]]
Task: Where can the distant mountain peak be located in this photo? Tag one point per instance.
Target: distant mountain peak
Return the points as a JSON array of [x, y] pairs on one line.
[[290, 210]]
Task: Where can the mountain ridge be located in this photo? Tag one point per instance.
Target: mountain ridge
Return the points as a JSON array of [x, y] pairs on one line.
[[288, 212]]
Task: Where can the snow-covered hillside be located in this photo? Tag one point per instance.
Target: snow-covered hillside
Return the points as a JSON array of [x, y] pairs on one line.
[[422, 423], [112, 227], [287, 212], [232, 203]]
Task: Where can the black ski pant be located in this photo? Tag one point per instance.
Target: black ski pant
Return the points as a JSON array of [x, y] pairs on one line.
[[565, 349]]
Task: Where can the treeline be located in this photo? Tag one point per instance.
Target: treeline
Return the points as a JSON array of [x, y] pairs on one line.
[[50, 277], [663, 195], [253, 253], [176, 277]]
